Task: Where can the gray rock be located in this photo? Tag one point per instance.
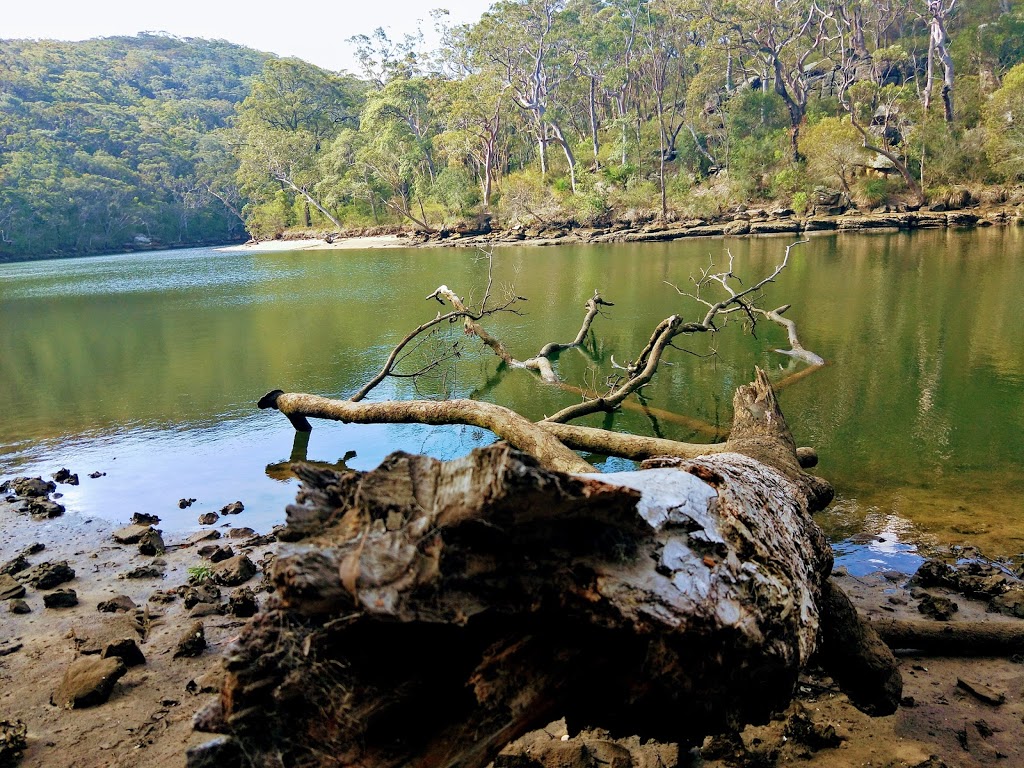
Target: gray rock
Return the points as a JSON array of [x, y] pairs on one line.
[[48, 575], [118, 604], [144, 572], [208, 518], [152, 543], [233, 508], [234, 571], [32, 487], [88, 682], [61, 598], [10, 588], [130, 534], [19, 607]]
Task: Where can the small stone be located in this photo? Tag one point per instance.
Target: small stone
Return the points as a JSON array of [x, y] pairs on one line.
[[202, 610], [126, 649], [938, 608], [45, 508], [192, 643], [19, 607], [48, 575], [10, 588], [200, 536], [163, 596], [152, 543], [240, 533], [15, 565], [141, 518], [64, 475], [234, 571], [118, 604], [61, 598], [208, 518], [185, 503], [88, 682], [233, 508], [130, 534], [211, 682], [242, 603], [143, 572], [215, 553], [95, 475], [205, 593], [981, 691]]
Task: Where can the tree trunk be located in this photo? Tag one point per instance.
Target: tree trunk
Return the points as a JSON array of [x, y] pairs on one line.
[[428, 612]]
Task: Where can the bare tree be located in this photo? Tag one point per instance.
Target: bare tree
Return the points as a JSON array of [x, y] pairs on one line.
[[938, 48]]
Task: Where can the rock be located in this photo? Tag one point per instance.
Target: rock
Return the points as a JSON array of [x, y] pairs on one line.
[[210, 717], [126, 649], [185, 503], [163, 596], [32, 487], [141, 518], [208, 518], [19, 607], [739, 227], [61, 598], [130, 534], [240, 533], [242, 603], [205, 593], [202, 610], [221, 752], [48, 575], [774, 227], [13, 740], [981, 691], [1010, 603], [10, 588], [216, 553], [192, 642], [63, 475], [118, 604], [95, 475], [233, 508], [815, 735], [7, 647], [88, 682], [234, 571], [40, 507], [143, 572], [15, 565], [199, 536], [260, 541], [211, 682], [152, 543], [938, 608]]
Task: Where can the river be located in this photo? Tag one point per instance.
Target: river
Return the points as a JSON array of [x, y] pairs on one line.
[[147, 367]]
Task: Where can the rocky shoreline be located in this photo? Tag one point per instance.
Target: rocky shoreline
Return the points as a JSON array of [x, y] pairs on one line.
[[113, 639]]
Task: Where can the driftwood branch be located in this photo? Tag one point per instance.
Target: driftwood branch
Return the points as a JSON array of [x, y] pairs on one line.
[[955, 638]]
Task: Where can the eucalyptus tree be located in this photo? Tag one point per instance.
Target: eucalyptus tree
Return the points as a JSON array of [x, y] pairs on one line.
[[520, 40], [938, 13], [283, 126], [781, 42]]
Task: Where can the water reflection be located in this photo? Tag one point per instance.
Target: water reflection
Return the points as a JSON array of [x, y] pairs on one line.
[[159, 358]]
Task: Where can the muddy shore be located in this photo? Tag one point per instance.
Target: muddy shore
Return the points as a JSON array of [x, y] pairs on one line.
[[956, 711]]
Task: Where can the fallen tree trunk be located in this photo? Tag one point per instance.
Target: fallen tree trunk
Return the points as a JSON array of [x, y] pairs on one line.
[[955, 638], [430, 612]]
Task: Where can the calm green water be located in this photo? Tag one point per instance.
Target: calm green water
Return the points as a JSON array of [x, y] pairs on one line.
[[147, 367]]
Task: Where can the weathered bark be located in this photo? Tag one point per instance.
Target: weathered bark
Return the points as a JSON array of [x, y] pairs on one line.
[[957, 638], [428, 613]]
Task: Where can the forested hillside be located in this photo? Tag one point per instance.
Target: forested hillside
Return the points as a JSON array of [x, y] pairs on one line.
[[104, 143], [543, 113], [552, 112]]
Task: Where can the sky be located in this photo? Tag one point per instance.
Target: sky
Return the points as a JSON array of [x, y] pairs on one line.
[[314, 30]]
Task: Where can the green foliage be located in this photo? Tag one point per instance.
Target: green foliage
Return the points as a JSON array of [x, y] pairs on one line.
[[872, 191], [456, 191], [1004, 123], [199, 574], [100, 142]]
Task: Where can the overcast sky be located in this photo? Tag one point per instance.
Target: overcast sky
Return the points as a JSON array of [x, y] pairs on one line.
[[314, 30]]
